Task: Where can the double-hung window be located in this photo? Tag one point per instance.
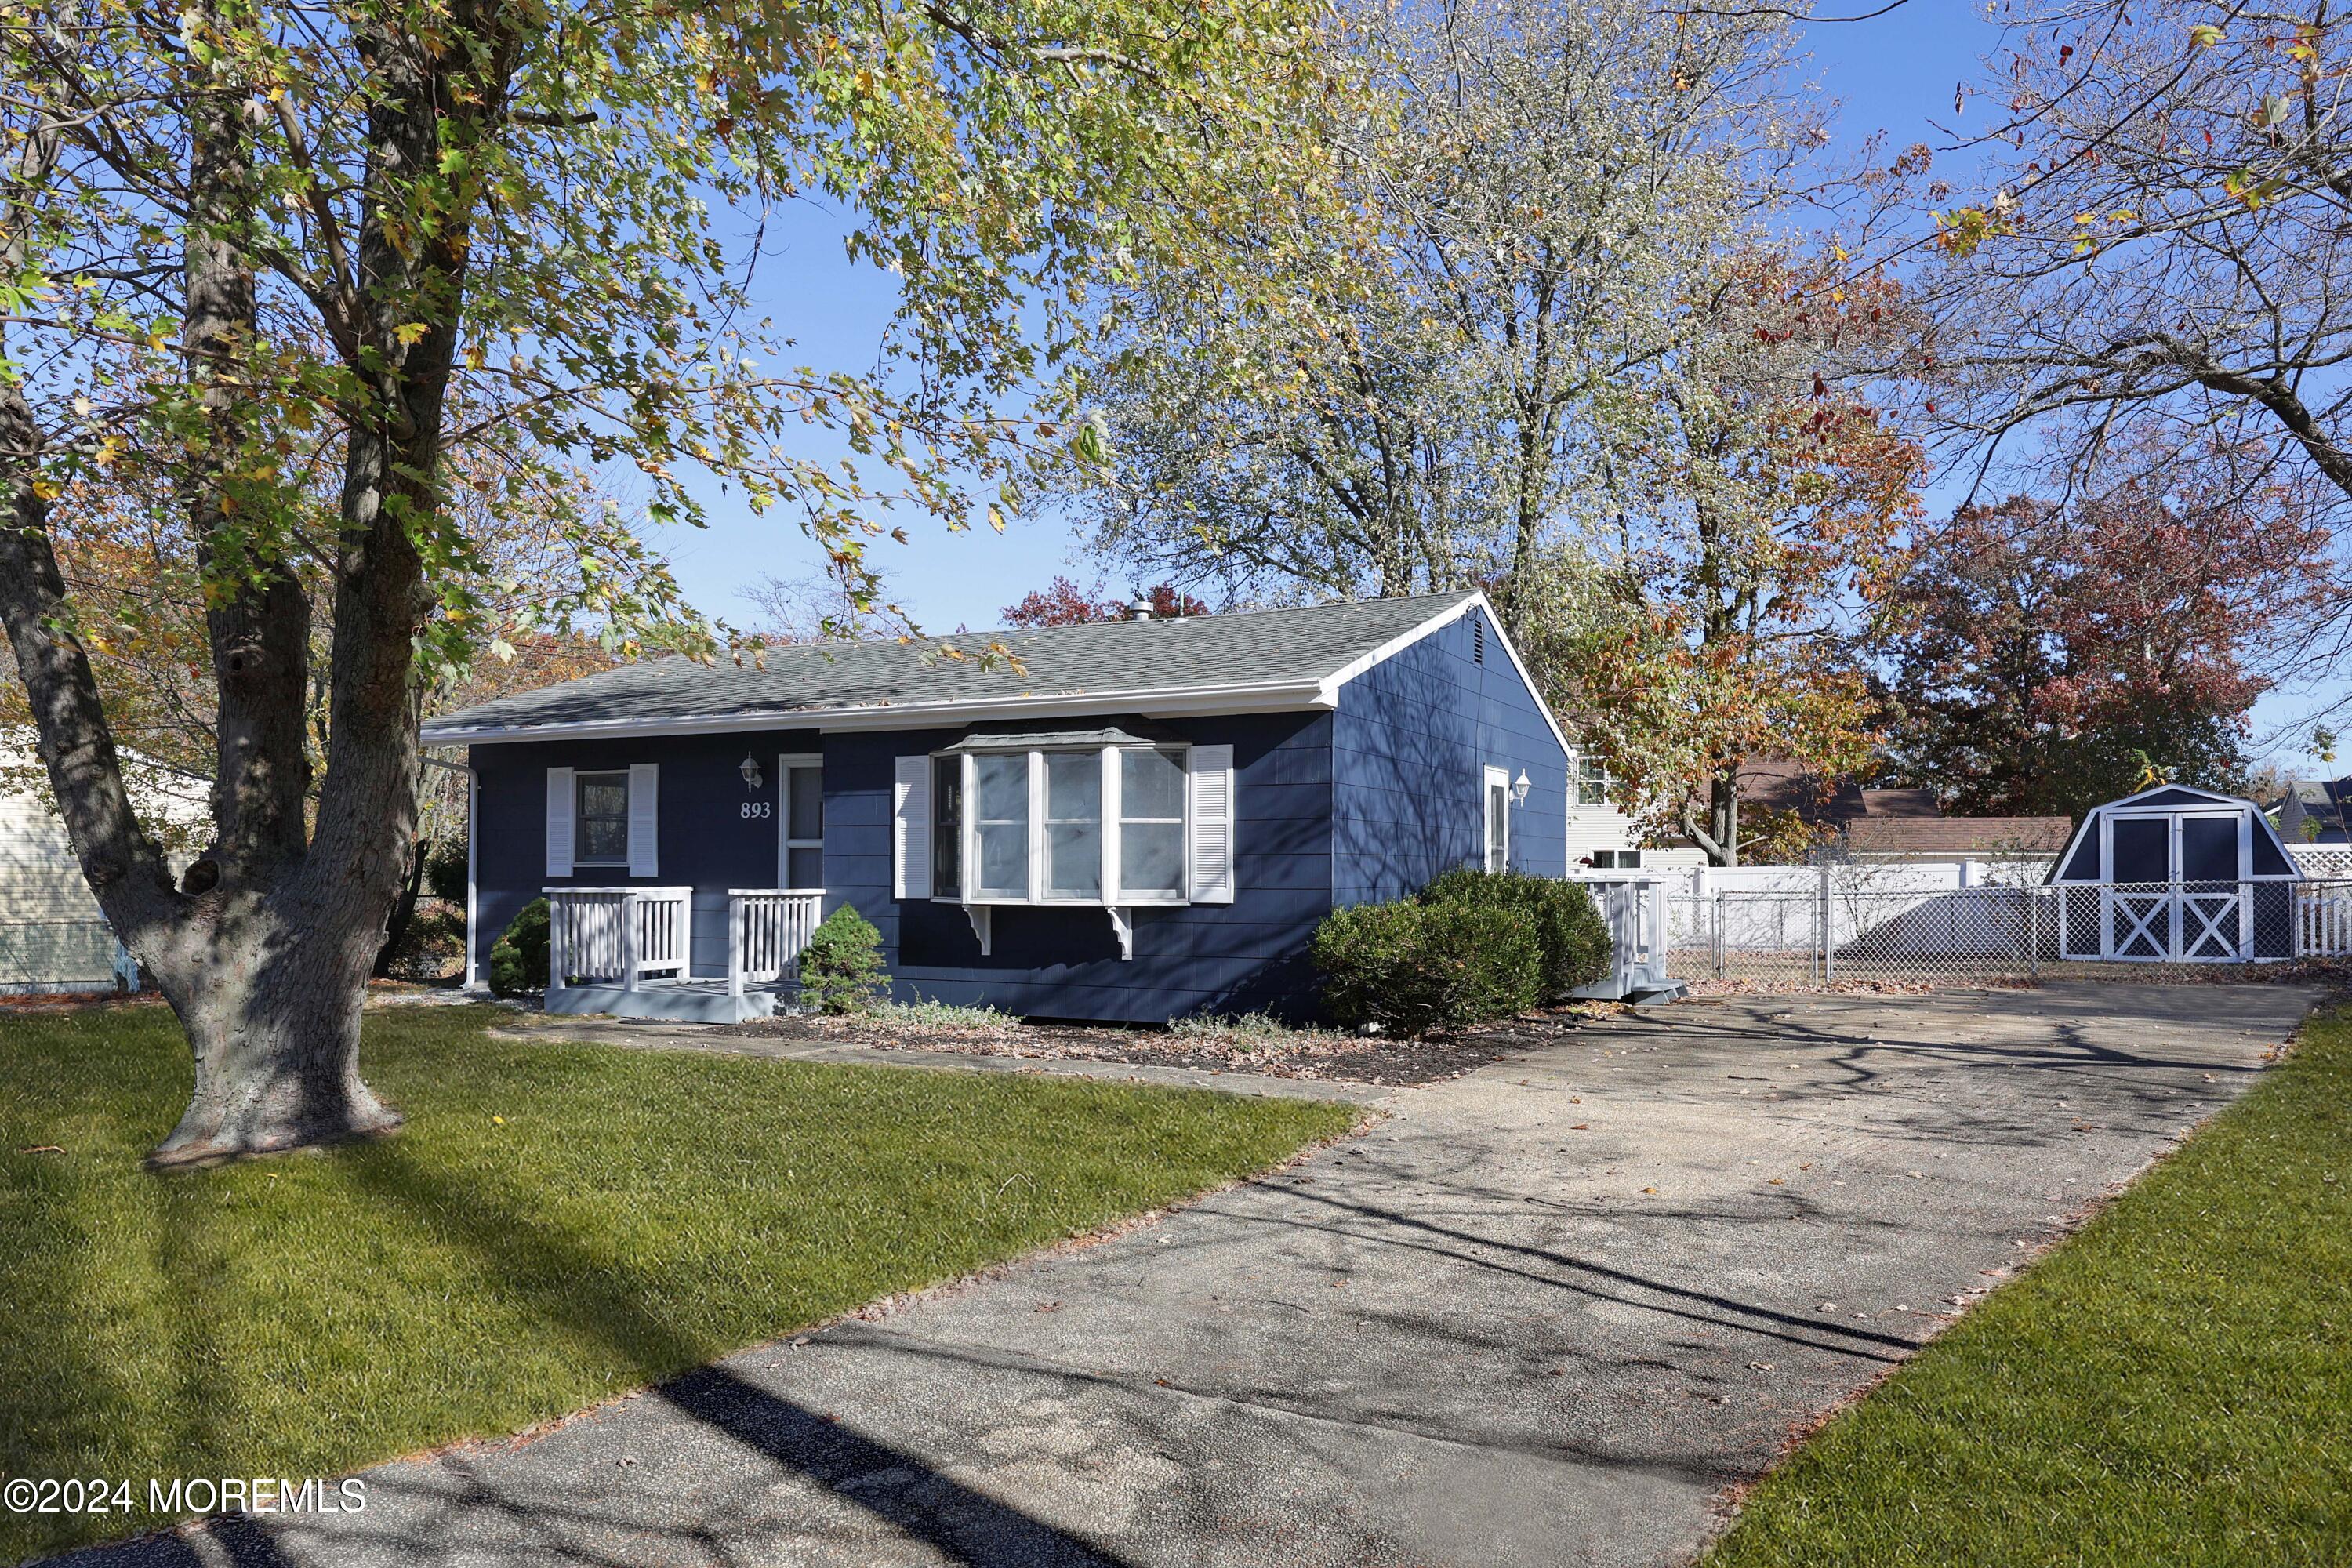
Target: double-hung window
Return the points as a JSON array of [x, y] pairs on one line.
[[1150, 824], [604, 817], [1591, 782], [600, 821]]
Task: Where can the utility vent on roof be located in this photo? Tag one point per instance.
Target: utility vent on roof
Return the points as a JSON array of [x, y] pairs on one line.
[[1478, 638]]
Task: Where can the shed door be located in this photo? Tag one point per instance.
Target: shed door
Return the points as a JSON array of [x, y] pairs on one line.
[[2213, 914], [2136, 914], [2174, 889]]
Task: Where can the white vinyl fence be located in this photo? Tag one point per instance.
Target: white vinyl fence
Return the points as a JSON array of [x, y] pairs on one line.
[[1803, 927]]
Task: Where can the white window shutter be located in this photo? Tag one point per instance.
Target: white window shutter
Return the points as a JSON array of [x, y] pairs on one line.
[[644, 819], [910, 828], [559, 822], [1211, 881]]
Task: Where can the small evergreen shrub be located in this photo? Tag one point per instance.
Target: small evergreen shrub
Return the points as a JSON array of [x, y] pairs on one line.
[[444, 871], [519, 958], [1416, 966], [841, 967], [1575, 945]]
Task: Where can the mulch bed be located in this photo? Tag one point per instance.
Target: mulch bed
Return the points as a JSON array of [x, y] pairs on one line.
[[1306, 1053]]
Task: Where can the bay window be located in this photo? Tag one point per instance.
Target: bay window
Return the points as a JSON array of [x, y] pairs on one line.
[[1103, 817]]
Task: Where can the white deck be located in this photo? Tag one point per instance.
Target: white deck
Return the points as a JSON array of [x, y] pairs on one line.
[[626, 952]]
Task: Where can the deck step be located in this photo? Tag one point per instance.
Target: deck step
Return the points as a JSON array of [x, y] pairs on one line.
[[688, 1002]]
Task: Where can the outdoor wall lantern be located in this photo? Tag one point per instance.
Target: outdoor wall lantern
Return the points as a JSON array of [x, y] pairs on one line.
[[1519, 787], [750, 772]]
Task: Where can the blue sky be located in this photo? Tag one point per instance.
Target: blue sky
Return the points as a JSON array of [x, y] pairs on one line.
[[1888, 76]]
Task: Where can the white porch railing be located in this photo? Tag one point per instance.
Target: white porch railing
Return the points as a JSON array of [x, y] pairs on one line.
[[618, 936], [766, 929], [1633, 907]]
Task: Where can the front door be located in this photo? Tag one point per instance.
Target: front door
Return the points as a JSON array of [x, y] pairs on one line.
[[2174, 889]]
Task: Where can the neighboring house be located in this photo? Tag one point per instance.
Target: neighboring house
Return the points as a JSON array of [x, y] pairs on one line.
[[1601, 836], [2314, 811], [1134, 821], [53, 936], [1973, 838]]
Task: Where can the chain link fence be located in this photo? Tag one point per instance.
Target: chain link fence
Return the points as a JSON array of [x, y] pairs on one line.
[[1839, 926]]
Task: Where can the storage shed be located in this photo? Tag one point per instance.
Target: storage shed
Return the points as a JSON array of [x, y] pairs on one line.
[[2176, 875]]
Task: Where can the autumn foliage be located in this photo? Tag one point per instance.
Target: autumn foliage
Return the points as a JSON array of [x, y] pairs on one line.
[[2055, 656], [1061, 603]]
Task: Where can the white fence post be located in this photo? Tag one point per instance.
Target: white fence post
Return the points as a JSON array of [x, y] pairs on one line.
[[629, 940], [1828, 936]]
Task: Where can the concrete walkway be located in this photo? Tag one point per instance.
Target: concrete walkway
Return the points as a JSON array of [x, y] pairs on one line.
[[1541, 1315]]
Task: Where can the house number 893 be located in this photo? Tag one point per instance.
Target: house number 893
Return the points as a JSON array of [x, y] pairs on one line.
[[755, 808]]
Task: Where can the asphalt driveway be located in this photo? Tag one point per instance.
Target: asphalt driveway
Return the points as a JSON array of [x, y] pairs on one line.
[[1544, 1314]]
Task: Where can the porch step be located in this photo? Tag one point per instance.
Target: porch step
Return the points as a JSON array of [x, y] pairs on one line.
[[690, 1002]]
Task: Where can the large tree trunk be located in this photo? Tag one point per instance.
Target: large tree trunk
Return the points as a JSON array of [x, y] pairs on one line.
[[271, 994], [1719, 836]]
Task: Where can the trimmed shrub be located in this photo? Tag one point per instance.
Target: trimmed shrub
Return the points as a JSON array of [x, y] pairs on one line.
[[841, 967], [519, 958], [444, 871], [1416, 966], [1575, 945]]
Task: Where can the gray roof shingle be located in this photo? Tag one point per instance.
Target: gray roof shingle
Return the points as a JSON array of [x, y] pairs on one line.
[[1251, 649]]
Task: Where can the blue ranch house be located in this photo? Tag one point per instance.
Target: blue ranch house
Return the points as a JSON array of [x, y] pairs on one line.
[[1129, 821]]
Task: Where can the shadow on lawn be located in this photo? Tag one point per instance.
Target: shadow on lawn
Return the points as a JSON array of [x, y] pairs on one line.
[[454, 1508]]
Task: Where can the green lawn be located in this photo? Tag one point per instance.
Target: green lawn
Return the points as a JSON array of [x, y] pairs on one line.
[[2172, 1386], [634, 1214]]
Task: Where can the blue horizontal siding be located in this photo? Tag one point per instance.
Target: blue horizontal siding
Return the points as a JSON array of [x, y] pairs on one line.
[[1409, 745]]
